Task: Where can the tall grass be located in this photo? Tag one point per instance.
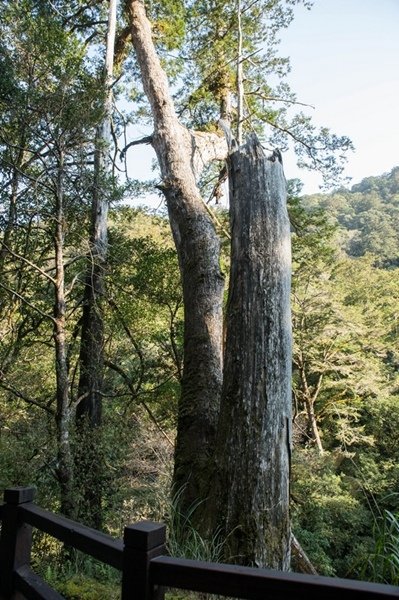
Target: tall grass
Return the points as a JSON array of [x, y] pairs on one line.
[[382, 563], [184, 541]]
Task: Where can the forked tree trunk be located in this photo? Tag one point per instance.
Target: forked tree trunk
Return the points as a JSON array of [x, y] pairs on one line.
[[309, 396], [251, 491], [198, 250]]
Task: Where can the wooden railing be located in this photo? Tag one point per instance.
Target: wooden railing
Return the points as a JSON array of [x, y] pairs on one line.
[[146, 568]]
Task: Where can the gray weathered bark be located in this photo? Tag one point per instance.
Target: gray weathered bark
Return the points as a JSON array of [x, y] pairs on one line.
[[251, 491], [180, 155]]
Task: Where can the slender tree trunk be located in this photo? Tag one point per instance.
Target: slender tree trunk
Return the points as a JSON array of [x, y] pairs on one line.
[[8, 308], [250, 495], [92, 340], [240, 77], [89, 409], [313, 424], [12, 217], [63, 417], [309, 399], [198, 251]]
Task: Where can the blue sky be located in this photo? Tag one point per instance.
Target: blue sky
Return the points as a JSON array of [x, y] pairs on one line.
[[345, 61]]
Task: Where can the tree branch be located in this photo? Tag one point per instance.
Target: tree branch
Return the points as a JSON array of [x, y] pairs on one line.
[[134, 393], [300, 558], [25, 301], [277, 99], [145, 140], [22, 396], [129, 334], [31, 264]]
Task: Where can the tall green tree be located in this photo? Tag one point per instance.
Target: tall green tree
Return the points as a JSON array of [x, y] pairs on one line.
[[198, 250], [329, 352], [50, 188]]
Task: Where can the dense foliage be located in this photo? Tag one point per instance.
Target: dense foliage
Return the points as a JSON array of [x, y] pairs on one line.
[[345, 377], [368, 216]]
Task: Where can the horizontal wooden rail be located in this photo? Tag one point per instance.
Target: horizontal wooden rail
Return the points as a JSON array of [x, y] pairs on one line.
[[99, 545], [19, 515], [34, 587], [146, 571], [260, 584]]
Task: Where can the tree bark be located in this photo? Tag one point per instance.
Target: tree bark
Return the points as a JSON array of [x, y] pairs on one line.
[[251, 491], [181, 155]]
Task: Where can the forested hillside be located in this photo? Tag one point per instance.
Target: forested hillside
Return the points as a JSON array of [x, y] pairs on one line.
[[368, 215]]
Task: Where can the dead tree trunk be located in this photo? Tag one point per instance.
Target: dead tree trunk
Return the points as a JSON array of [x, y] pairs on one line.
[[251, 493], [198, 250]]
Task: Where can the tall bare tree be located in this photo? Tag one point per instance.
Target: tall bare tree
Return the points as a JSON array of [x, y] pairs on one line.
[[92, 339], [89, 408], [249, 492]]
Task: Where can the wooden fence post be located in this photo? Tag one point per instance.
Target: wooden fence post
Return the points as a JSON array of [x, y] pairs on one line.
[[142, 542], [16, 537]]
